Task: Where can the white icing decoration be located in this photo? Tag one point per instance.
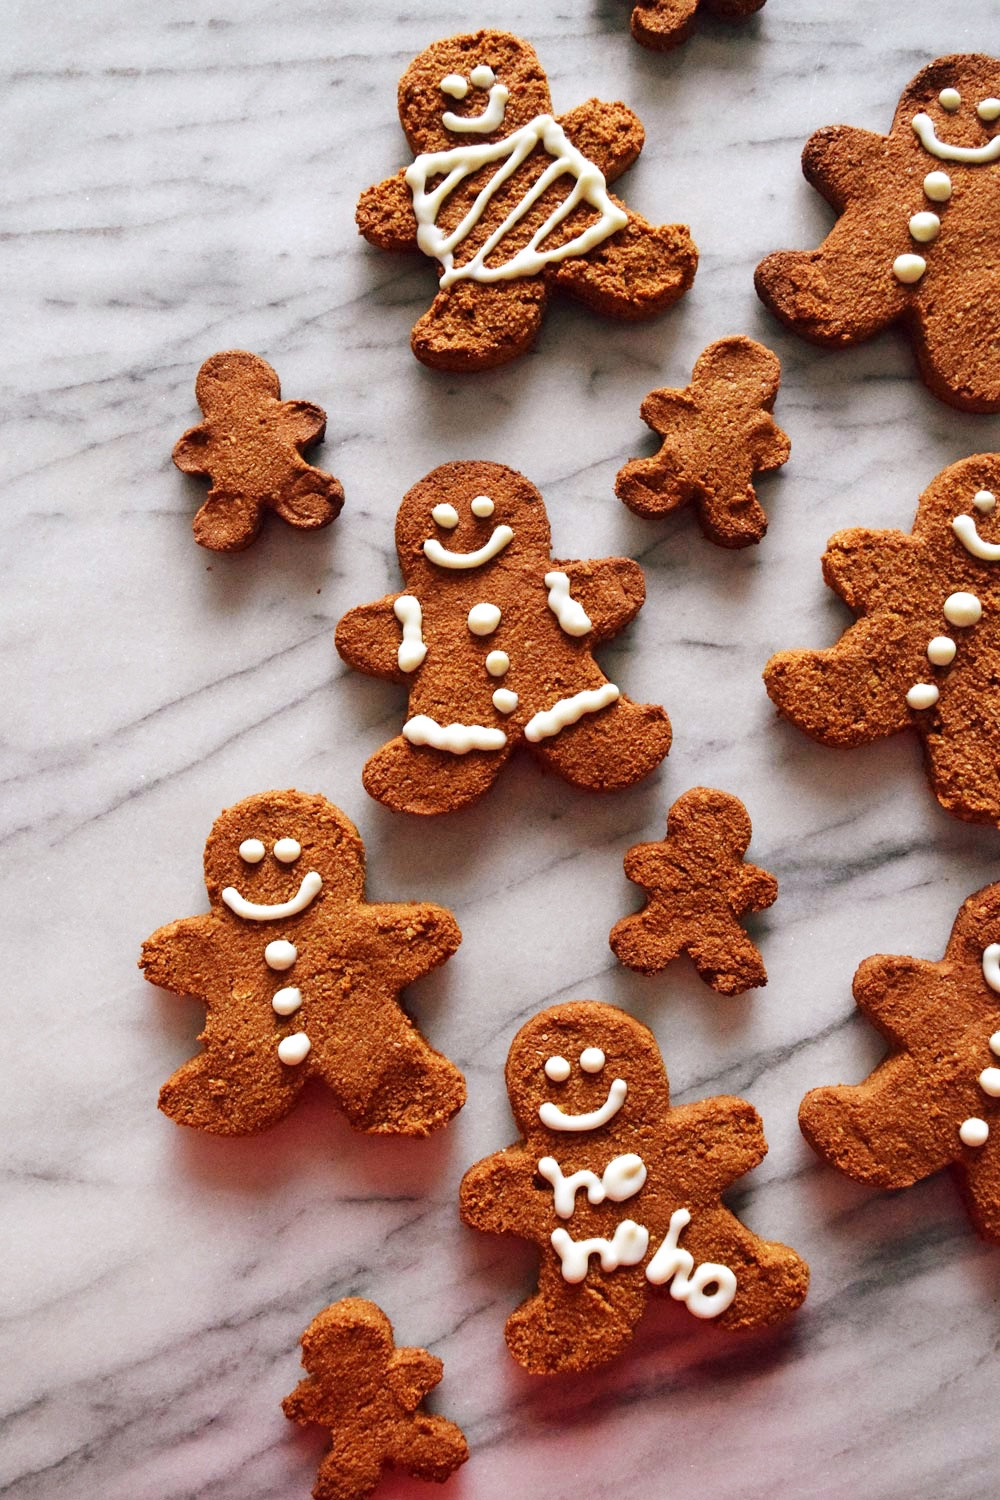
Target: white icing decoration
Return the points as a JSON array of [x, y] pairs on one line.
[[671, 1263], [445, 515], [435, 553], [941, 650], [542, 726], [280, 954], [592, 1060], [572, 616], [923, 695], [554, 1118], [622, 1178], [949, 99], [256, 912], [482, 76], [491, 118], [459, 739], [483, 619], [964, 528], [482, 506], [937, 187], [252, 851], [984, 500], [504, 701], [454, 85], [412, 648], [450, 168], [962, 609], [974, 1132], [908, 268], [991, 973], [988, 109], [626, 1248], [294, 1049], [995, 1044], [498, 663], [557, 1068], [925, 227], [989, 1082], [287, 851], [287, 1001], [924, 126]]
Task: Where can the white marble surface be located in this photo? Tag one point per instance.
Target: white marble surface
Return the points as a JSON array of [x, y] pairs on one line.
[[181, 179]]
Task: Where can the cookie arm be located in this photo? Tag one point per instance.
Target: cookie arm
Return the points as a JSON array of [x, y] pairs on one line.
[[609, 135], [303, 423], [611, 590], [841, 162], [730, 1137], [753, 889], [412, 1373], [862, 566], [368, 638], [415, 939], [499, 1195], [385, 217], [180, 956], [192, 451]]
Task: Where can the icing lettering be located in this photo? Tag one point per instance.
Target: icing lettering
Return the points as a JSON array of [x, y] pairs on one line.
[[924, 127], [483, 619], [964, 528], [252, 851], [435, 553], [962, 609], [572, 616], [255, 912], [412, 649], [991, 972], [287, 851], [555, 1119], [542, 726], [287, 1001], [294, 1049], [687, 1284], [626, 1248], [622, 1178], [459, 739], [280, 954]]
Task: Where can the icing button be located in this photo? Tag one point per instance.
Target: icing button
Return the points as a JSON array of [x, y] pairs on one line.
[[925, 227], [937, 187], [280, 954], [908, 268]]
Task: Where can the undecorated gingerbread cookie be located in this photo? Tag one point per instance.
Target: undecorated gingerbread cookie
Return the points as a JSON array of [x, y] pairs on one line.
[[925, 652], [916, 239], [513, 204], [934, 1101], [302, 978], [717, 433], [663, 24], [698, 888], [250, 445], [368, 1394], [495, 639], [621, 1193]]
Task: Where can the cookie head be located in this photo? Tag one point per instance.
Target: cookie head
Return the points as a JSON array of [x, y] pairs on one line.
[[462, 516], [278, 854], [479, 87], [226, 381], [952, 109], [960, 509]]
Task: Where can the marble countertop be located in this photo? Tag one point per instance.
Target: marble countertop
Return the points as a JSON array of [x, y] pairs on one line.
[[179, 180]]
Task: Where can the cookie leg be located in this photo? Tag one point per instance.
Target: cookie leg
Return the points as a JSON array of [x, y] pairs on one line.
[[386, 1078], [963, 764], [314, 500], [731, 518], [420, 779], [979, 1175], [635, 273], [662, 24], [477, 325], [853, 693], [654, 486], [727, 960], [646, 943], [351, 1470], [428, 1447], [238, 1086], [830, 295], [611, 749], [577, 1327], [960, 355], [227, 522], [771, 1278]]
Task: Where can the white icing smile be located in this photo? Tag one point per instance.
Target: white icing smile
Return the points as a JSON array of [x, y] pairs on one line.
[[435, 553], [256, 912], [924, 127], [556, 1119], [490, 119], [967, 532]]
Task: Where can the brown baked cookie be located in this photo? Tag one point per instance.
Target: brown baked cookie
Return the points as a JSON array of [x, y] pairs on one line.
[[717, 433], [698, 888], [933, 1101], [663, 24], [368, 1393], [302, 978], [514, 205], [495, 641], [250, 445], [925, 652], [621, 1194], [914, 242]]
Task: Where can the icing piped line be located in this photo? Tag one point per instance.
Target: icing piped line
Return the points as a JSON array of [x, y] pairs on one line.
[[412, 648], [965, 529], [570, 613], [490, 119], [542, 726], [459, 739], [924, 126], [991, 966], [556, 1119], [256, 912], [687, 1283], [622, 1178], [435, 553], [626, 1248]]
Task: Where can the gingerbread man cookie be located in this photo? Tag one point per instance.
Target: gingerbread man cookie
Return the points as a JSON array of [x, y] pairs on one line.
[[368, 1393], [717, 433], [664, 24], [302, 977], [513, 204], [621, 1194], [925, 652], [495, 639], [916, 240], [698, 888], [250, 445], [935, 1100]]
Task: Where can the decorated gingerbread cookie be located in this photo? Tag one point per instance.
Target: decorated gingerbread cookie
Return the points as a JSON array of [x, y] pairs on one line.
[[250, 445], [915, 240], [717, 433], [621, 1193], [934, 1101], [302, 978], [513, 204], [369, 1394], [698, 888], [495, 640], [663, 24], [925, 652]]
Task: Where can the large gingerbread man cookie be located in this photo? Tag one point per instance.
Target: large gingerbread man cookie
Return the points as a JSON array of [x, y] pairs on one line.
[[934, 1102], [916, 239], [621, 1193], [368, 1394], [513, 204], [250, 445], [495, 641], [302, 978], [663, 24], [925, 652]]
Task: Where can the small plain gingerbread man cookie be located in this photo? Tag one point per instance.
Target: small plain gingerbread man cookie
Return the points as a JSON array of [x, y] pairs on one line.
[[621, 1194], [717, 433], [495, 640], [368, 1393], [302, 977], [513, 204], [250, 445], [934, 1101], [698, 888], [664, 24], [916, 240]]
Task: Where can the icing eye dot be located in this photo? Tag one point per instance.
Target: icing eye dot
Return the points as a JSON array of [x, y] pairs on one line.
[[591, 1059], [482, 507], [988, 109], [446, 516], [949, 99], [482, 77], [252, 851], [454, 85], [557, 1068], [984, 500], [287, 850]]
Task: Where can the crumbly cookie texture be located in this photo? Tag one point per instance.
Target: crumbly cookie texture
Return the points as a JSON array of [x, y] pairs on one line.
[[665, 24], [621, 1193], [916, 237], [925, 652], [698, 888], [368, 1394], [302, 978], [717, 434], [933, 1102], [250, 445], [512, 203]]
